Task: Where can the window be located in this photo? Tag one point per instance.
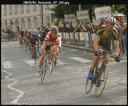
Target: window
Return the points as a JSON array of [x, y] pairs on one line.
[[22, 23], [5, 10], [34, 8], [28, 8], [21, 9], [10, 10], [16, 9]]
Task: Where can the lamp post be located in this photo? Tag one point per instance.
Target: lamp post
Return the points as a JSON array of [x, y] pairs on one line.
[[42, 13], [79, 7]]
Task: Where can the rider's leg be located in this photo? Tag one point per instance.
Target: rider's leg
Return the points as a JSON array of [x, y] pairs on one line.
[[55, 49], [92, 67], [41, 58], [33, 50]]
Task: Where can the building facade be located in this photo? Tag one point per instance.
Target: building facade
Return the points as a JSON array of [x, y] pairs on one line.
[[15, 17]]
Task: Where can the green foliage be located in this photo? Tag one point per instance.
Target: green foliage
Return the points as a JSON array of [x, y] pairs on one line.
[[60, 10]]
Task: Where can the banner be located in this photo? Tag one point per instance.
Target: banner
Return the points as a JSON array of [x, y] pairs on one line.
[[69, 17], [103, 12], [82, 15]]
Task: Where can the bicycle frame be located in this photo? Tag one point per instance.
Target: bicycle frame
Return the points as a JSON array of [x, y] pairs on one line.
[[97, 69]]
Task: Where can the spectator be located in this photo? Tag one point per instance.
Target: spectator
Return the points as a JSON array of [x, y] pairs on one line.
[[77, 28], [71, 28], [123, 35]]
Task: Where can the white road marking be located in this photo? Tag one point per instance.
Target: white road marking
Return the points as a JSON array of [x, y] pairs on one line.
[[7, 64], [60, 62], [114, 62], [3, 57], [73, 49], [31, 62], [114, 80], [10, 86], [82, 60]]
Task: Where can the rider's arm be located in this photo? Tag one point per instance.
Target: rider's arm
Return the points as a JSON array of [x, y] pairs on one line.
[[117, 47], [60, 41], [116, 42], [96, 42], [44, 45], [46, 39]]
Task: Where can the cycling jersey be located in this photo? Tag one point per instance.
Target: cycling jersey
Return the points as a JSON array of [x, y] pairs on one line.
[[52, 40], [106, 37], [33, 40]]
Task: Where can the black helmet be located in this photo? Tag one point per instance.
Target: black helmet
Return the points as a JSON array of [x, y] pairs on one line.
[[33, 35]]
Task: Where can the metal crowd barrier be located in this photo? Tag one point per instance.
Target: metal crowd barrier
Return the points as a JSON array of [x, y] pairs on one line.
[[9, 37], [78, 39], [82, 40]]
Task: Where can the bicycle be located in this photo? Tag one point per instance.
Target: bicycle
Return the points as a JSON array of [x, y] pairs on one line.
[[100, 73], [21, 41], [45, 66]]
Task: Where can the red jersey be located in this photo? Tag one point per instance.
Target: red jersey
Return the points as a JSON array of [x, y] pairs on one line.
[[50, 39]]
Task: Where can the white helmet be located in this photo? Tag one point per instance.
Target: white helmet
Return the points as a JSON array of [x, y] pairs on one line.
[[54, 28], [112, 20]]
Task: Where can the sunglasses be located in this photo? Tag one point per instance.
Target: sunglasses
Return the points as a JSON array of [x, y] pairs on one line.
[[54, 32]]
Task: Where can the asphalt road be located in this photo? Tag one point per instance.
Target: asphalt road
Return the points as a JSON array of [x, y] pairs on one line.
[[20, 82]]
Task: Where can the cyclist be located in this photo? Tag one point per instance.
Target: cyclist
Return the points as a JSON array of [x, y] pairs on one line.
[[28, 40], [33, 42], [21, 38], [51, 42], [103, 38]]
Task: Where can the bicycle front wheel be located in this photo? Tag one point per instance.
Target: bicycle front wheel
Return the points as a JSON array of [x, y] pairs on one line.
[[51, 66], [101, 81], [44, 69], [42, 75], [89, 85]]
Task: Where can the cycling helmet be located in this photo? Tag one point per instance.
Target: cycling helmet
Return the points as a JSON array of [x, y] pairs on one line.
[[54, 29], [111, 19], [33, 35]]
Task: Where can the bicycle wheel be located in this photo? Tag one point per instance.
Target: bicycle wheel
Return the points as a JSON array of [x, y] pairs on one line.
[[44, 69], [102, 77], [35, 56], [89, 85], [20, 42], [51, 66]]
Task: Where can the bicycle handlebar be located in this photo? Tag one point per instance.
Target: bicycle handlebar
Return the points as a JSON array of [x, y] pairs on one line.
[[117, 59]]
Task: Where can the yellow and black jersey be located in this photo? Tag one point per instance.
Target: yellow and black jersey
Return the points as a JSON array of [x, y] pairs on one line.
[[106, 36]]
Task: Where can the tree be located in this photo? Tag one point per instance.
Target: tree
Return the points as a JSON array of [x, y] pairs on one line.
[[60, 10]]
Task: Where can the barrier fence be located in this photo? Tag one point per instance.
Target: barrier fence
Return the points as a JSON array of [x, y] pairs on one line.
[[83, 40], [78, 39], [5, 37]]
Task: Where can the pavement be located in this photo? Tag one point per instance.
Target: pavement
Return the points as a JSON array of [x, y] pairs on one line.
[[20, 82]]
